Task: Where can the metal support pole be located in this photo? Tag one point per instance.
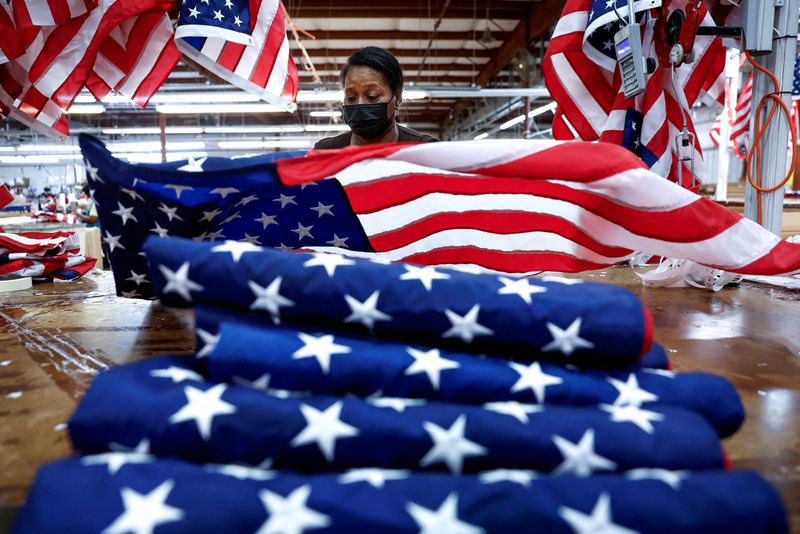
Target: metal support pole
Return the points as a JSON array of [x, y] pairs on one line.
[[774, 158], [162, 125]]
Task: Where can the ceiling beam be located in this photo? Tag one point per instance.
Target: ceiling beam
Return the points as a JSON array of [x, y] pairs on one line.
[[408, 68], [404, 12], [474, 8], [541, 16], [402, 52], [368, 36]]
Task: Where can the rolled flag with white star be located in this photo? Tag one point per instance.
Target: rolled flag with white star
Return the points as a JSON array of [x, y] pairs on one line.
[[589, 323], [168, 402], [340, 365], [113, 494]]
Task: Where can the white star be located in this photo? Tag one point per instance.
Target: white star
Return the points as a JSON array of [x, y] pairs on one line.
[[284, 247], [562, 280], [303, 231], [266, 220], [113, 241], [610, 3], [633, 414], [193, 12], [531, 376], [375, 477], [224, 191], [131, 193], [366, 312], [115, 460], [321, 348], [521, 288], [93, 173], [209, 342], [205, 1], [170, 212], [145, 511], [236, 248], [179, 189], [580, 458], [466, 327], [253, 240], [340, 242], [426, 275], [630, 392], [215, 236], [193, 165], [228, 3], [290, 514], [660, 372], [518, 476], [178, 281], [284, 200], [161, 232], [443, 520], [608, 45], [130, 294], [323, 428], [599, 522], [431, 363], [671, 478], [261, 383], [237, 20], [176, 374], [322, 209], [233, 217], [139, 279], [329, 261], [397, 404], [566, 341], [202, 406], [242, 472], [208, 216], [269, 298], [218, 15], [515, 409], [450, 446], [246, 200]]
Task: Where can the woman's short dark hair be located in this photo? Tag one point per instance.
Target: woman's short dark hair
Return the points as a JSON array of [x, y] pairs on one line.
[[379, 59]]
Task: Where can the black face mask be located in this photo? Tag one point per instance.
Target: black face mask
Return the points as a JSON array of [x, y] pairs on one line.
[[367, 120]]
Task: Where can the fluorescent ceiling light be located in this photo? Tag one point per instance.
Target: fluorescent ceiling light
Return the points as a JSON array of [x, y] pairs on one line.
[[150, 157], [210, 109], [543, 109], [508, 124], [326, 113], [320, 96], [155, 146], [86, 109], [145, 130], [48, 148], [414, 94], [210, 97], [277, 143], [253, 129], [31, 159], [7, 149], [481, 136], [327, 128]]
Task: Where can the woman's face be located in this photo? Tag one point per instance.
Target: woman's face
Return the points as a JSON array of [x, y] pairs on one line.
[[364, 85]]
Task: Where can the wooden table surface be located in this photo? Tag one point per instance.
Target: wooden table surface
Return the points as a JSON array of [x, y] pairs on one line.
[[55, 337]]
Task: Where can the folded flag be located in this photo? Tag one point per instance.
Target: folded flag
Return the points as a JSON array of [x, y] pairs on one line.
[[340, 365], [510, 206], [135, 492], [43, 254], [598, 324], [170, 404]]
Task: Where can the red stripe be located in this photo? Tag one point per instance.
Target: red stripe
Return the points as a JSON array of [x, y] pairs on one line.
[[510, 262], [292, 85], [783, 258], [230, 55], [269, 53], [169, 57], [114, 53], [700, 220], [319, 164], [55, 43], [97, 86], [59, 10], [494, 222], [5, 196]]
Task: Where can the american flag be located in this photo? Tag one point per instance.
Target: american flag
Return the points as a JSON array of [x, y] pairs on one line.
[[510, 206], [5, 196], [43, 255], [126, 46], [581, 73], [243, 42], [739, 119]]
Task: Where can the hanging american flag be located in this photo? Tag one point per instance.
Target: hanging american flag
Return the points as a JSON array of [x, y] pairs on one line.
[[243, 42], [137, 492], [740, 119], [126, 46], [511, 206], [581, 73]]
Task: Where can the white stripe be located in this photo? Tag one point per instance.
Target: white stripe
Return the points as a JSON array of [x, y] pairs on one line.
[[203, 30], [654, 118], [107, 71], [574, 22], [249, 59], [212, 48], [157, 41], [578, 93], [40, 13], [377, 169], [76, 7], [280, 70], [23, 240], [468, 155]]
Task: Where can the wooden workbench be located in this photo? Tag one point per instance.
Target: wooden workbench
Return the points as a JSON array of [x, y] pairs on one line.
[[54, 337]]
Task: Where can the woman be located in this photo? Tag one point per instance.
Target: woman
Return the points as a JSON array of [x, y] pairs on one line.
[[373, 91]]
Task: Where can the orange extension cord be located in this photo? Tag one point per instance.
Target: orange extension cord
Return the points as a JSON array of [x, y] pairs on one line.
[[759, 133]]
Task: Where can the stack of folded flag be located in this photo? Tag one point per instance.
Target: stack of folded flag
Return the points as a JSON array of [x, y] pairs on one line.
[[331, 394]]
